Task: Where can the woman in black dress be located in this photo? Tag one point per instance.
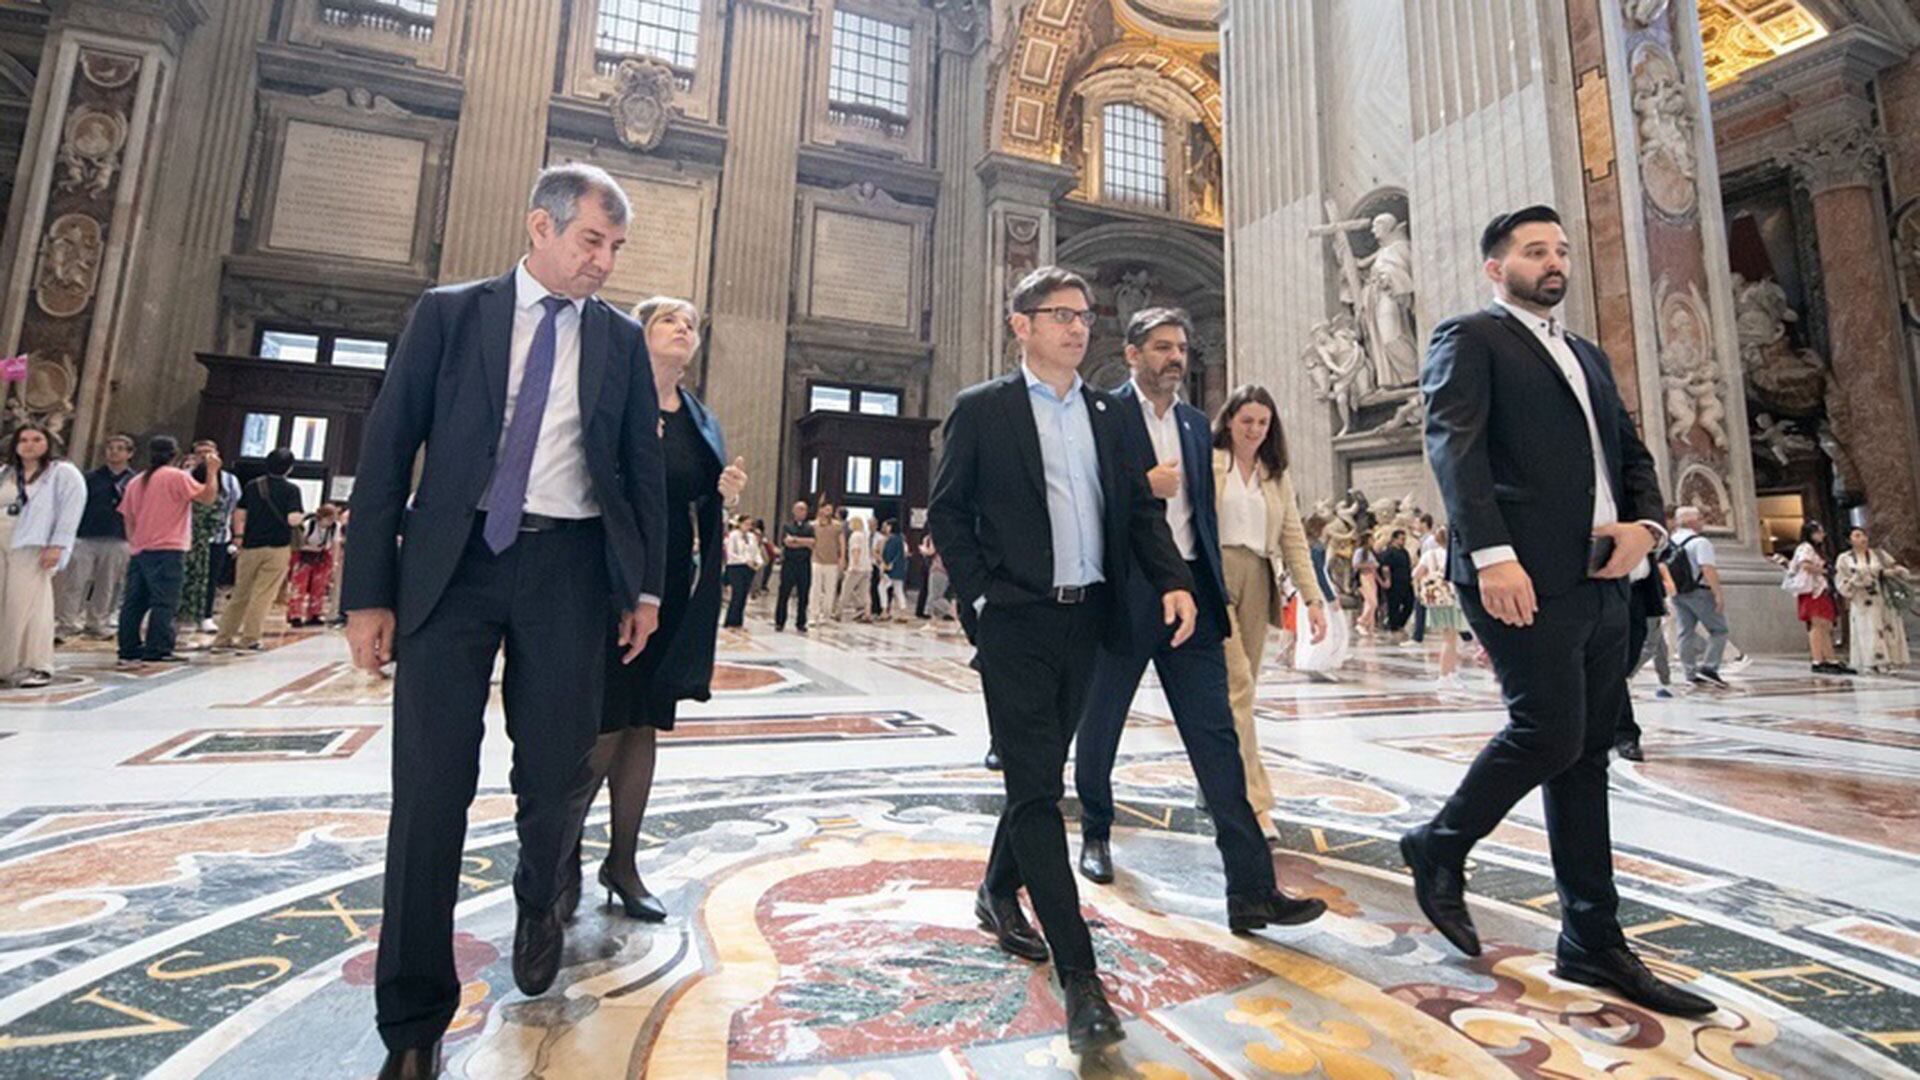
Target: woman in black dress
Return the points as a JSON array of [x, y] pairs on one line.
[[677, 664]]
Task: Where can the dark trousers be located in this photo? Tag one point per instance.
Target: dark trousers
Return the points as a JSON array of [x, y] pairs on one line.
[[1036, 661], [1419, 621], [740, 583], [152, 593], [1400, 605], [217, 560], [795, 578], [546, 600], [1562, 679], [1195, 679], [1627, 727]]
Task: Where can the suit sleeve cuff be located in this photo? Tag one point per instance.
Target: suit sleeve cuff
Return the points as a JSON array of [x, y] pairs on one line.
[[1499, 553], [1659, 533]]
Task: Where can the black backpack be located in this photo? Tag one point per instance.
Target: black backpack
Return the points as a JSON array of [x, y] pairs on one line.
[[1686, 578]]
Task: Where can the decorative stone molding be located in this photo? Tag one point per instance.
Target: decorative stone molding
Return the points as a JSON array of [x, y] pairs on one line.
[[359, 99], [1846, 157], [642, 102]]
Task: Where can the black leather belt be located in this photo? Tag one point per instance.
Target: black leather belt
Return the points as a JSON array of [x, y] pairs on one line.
[[538, 523], [1073, 594]]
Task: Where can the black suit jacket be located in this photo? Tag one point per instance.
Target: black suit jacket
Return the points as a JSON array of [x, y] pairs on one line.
[[1509, 446], [446, 389], [1196, 478], [989, 509]]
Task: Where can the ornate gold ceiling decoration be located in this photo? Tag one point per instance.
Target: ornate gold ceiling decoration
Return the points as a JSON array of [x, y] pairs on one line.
[[1176, 67], [1740, 34]]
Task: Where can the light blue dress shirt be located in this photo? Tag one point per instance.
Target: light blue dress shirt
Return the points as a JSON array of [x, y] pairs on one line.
[[1071, 465]]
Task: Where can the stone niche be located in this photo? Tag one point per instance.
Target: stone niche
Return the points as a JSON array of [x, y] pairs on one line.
[[863, 262], [669, 249]]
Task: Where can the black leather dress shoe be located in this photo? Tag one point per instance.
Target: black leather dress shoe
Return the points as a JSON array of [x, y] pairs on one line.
[[1002, 917], [1441, 891], [993, 759], [538, 938], [1096, 860], [412, 1063], [1629, 750], [1252, 913], [1620, 970], [1091, 1023]]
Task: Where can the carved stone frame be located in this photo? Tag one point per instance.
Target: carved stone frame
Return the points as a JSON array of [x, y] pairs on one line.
[[916, 143], [871, 203], [699, 101], [631, 165], [1177, 109]]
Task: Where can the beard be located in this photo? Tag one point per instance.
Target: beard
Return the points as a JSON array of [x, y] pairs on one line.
[[1547, 291]]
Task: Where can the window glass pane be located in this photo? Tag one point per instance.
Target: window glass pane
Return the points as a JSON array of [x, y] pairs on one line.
[[309, 442], [259, 434], [1134, 156], [813, 474], [872, 63], [859, 476], [893, 474], [830, 399], [879, 403], [281, 345], [666, 29], [312, 493], [360, 353]]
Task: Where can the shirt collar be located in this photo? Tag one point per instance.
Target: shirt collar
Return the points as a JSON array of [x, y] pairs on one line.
[[1035, 380], [1548, 327], [1146, 405], [527, 292]]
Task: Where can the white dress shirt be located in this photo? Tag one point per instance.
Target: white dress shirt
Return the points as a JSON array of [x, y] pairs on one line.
[[558, 485], [1243, 510], [1606, 511], [1165, 433]]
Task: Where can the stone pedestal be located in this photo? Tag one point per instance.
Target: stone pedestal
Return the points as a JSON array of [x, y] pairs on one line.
[[753, 242]]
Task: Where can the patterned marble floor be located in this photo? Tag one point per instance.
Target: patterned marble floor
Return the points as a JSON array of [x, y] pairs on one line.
[[190, 872]]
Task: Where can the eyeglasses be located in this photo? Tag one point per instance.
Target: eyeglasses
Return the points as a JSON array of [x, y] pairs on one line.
[[1065, 316]]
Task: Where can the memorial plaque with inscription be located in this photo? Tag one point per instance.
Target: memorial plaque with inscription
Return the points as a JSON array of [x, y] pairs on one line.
[[862, 270], [347, 192], [665, 247], [1392, 478]]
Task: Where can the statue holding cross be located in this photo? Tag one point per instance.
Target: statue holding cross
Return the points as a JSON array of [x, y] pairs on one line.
[[1378, 290]]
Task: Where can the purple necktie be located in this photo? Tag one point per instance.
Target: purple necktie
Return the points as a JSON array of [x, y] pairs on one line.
[[508, 499]]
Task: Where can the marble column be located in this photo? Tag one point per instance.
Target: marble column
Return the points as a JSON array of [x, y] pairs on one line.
[[201, 169], [753, 241], [85, 185], [1841, 169], [503, 135], [961, 320], [1020, 193]]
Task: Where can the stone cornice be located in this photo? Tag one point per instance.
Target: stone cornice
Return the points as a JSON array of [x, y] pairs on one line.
[[1842, 157]]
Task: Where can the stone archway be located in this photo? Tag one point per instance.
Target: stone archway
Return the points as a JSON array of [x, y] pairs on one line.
[[1138, 264]]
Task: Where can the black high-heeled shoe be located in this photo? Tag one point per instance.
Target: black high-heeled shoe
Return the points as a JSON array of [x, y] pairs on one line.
[[645, 906]]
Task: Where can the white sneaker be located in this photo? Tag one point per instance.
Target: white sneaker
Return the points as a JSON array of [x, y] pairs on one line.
[[208, 626]]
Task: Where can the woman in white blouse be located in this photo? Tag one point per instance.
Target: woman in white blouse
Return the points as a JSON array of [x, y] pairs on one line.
[[1876, 633], [43, 497], [858, 581], [1261, 535]]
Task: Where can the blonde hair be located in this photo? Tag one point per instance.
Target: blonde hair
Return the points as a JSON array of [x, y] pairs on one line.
[[655, 307]]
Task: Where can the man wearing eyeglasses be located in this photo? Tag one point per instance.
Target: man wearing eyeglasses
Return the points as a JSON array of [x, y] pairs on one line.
[[1042, 524]]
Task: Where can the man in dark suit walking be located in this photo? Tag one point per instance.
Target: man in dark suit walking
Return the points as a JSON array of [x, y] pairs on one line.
[[1169, 443], [1553, 503], [1042, 524], [538, 524]]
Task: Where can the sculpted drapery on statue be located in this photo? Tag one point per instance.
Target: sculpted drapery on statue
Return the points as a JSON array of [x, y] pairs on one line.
[[1377, 290]]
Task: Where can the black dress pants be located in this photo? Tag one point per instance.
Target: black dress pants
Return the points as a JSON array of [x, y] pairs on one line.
[[1562, 679], [546, 599], [1036, 661], [796, 577], [739, 585], [1194, 677]]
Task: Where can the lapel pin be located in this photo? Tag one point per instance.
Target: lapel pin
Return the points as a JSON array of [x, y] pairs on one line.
[[1100, 405]]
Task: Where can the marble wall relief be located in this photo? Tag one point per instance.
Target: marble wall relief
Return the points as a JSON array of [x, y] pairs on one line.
[[1665, 126], [69, 265]]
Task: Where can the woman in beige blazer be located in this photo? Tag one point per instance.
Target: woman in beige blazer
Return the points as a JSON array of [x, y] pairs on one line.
[[1261, 535]]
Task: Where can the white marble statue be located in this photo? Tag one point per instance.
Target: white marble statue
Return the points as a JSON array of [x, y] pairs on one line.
[[1385, 305], [1339, 367], [1779, 438]]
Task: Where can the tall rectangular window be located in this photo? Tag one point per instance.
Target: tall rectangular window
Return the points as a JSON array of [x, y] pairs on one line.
[[664, 29], [1134, 156], [872, 63], [259, 434]]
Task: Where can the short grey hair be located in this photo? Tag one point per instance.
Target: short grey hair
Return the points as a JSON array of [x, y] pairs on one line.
[[1687, 516], [560, 187]]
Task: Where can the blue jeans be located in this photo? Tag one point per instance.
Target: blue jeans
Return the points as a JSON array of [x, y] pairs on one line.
[[152, 593]]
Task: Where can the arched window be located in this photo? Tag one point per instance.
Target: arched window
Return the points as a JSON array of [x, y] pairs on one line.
[[1133, 155], [666, 30]]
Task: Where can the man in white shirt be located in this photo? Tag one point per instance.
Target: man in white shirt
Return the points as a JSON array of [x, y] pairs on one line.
[[539, 521], [1552, 504], [1698, 601]]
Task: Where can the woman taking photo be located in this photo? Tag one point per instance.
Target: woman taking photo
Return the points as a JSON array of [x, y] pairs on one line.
[[158, 508], [44, 497], [1260, 536], [677, 663]]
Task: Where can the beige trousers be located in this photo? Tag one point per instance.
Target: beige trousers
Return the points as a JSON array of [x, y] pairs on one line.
[[1249, 596], [26, 607], [258, 574], [823, 599]]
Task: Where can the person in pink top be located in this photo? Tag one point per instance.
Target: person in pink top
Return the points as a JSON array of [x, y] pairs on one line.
[[158, 508]]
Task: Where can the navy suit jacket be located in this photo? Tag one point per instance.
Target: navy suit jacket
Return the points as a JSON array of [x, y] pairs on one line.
[[1509, 448], [445, 390], [1196, 479]]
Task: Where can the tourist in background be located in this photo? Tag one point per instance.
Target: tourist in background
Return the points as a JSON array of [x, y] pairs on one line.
[[158, 508], [769, 555], [1317, 658], [829, 562], [1813, 598], [87, 592], [893, 573], [1396, 566], [1366, 580], [1437, 599], [743, 562], [643, 697], [796, 568], [311, 576], [1424, 542], [220, 547], [270, 509], [859, 574], [933, 598], [44, 498], [1876, 632], [196, 589], [1698, 601], [1261, 536]]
